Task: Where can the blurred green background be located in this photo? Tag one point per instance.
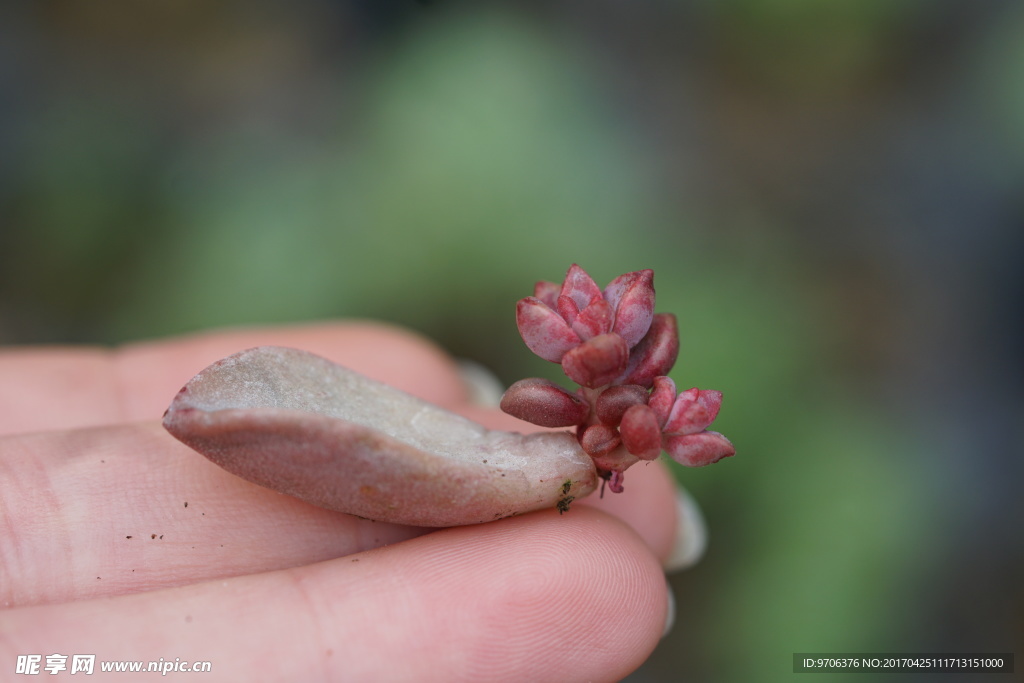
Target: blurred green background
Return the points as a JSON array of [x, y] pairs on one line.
[[830, 193]]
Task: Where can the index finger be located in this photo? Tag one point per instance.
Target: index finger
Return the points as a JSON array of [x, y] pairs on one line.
[[45, 388]]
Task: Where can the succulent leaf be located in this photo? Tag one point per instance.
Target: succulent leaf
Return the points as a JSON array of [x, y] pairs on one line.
[[544, 403], [640, 432], [697, 450], [656, 353], [543, 330], [614, 401], [597, 361]]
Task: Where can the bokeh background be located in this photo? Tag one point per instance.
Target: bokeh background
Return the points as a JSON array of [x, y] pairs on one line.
[[831, 195]]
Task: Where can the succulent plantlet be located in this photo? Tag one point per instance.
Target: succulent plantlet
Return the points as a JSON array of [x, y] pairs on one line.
[[612, 344], [304, 426]]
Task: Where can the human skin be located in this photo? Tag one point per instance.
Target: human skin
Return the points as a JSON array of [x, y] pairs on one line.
[[267, 587]]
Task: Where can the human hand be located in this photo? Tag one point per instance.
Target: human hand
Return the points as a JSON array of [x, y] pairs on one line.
[[121, 542]]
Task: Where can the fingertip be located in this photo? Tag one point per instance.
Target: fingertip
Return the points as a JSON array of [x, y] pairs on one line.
[[647, 505], [576, 596], [150, 373]]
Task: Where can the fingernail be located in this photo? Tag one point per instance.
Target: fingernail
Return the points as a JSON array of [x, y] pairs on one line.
[[691, 534], [670, 614], [483, 386]]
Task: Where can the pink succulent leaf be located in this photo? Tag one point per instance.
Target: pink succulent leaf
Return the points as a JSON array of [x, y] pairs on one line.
[[691, 394], [617, 287], [543, 330], [663, 396], [580, 287], [687, 417], [632, 298], [641, 434], [615, 460], [712, 402], [614, 401], [656, 353], [692, 411], [598, 440], [547, 292], [596, 362], [615, 482], [544, 403], [568, 309], [697, 450], [593, 320]]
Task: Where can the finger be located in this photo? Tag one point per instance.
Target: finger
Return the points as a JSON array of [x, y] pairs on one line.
[[390, 354], [534, 598], [70, 387], [114, 510], [648, 505]]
